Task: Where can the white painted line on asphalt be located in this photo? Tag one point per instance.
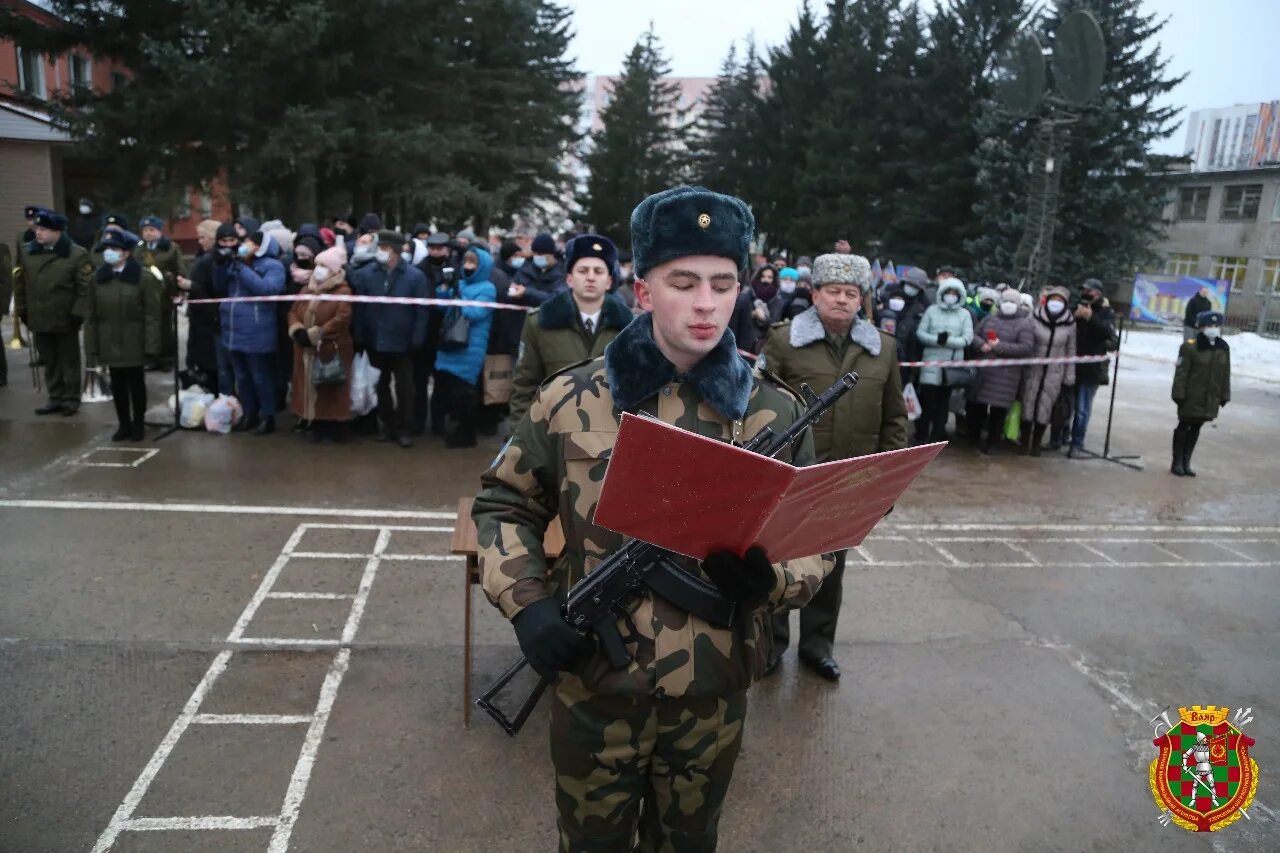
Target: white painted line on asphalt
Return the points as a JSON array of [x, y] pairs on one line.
[[1231, 550], [326, 555], [268, 580], [1160, 547], [310, 746], [1080, 665], [228, 509], [1101, 554], [947, 554], [392, 527], [366, 584], [1023, 551], [143, 455], [154, 824], [311, 596], [283, 642], [250, 719], [861, 551], [148, 774]]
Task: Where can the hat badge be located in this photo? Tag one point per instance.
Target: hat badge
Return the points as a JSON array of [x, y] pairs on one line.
[[704, 220], [596, 247]]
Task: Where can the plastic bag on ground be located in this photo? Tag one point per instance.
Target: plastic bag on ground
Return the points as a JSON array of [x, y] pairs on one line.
[[222, 414], [912, 399], [364, 385], [194, 407]]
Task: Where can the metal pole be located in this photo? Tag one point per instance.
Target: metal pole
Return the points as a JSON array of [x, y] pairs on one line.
[[177, 385], [1115, 380]]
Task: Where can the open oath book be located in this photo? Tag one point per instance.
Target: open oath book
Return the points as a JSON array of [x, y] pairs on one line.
[[695, 495]]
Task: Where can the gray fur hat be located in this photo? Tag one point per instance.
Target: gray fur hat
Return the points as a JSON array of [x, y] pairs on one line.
[[842, 269]]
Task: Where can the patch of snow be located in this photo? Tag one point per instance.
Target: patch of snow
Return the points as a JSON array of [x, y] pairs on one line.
[[1252, 355]]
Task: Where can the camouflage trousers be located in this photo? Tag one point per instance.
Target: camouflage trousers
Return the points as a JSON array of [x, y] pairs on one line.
[[657, 766]]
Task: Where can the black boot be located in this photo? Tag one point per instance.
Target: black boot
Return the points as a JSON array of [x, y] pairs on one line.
[[1178, 468], [1037, 436], [266, 427], [123, 433], [1188, 448]]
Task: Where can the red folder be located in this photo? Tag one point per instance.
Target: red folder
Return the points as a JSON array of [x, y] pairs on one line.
[[696, 495]]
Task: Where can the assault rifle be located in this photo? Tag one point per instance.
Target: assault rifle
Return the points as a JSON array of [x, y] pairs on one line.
[[595, 603]]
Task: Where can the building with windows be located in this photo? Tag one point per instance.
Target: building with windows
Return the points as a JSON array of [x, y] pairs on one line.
[[1225, 224], [1243, 136]]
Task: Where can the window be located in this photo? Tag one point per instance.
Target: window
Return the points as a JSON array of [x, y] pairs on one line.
[[31, 72], [117, 80], [1271, 275], [1232, 270], [81, 71], [1275, 213], [1240, 202], [1179, 264], [1193, 203]]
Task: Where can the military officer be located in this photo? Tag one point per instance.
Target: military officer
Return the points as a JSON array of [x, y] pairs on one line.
[[158, 252], [664, 730], [818, 346], [26, 235], [1201, 387], [574, 325], [6, 294], [51, 293]]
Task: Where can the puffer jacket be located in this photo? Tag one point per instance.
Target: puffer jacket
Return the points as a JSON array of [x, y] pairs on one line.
[[1202, 380], [251, 326], [1041, 384], [385, 327], [998, 386], [467, 363], [955, 320]]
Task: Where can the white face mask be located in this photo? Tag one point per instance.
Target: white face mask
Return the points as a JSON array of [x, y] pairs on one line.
[[362, 252], [516, 261], [787, 286], [383, 255], [115, 256], [1008, 309], [321, 273], [85, 209], [950, 299], [1211, 332], [1055, 306], [897, 303], [407, 257], [910, 289]]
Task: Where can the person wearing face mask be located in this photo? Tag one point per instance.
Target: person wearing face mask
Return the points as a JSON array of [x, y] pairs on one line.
[[945, 332], [84, 228], [983, 303], [791, 299], [123, 330], [202, 320], [307, 244], [817, 347], [343, 231], [1095, 335], [249, 329], [51, 296], [762, 290], [320, 332], [157, 252], [804, 269], [1004, 333], [391, 333], [433, 266], [543, 276], [1054, 328], [906, 301], [1201, 387], [459, 365], [222, 276]]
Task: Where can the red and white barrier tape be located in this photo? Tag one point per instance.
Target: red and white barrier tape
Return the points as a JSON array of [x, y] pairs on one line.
[[342, 297], [1009, 362]]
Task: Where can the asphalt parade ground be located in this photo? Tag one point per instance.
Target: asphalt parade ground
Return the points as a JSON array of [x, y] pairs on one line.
[[230, 643]]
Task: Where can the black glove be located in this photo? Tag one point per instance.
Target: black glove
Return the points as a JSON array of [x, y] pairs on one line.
[[301, 338], [748, 580], [942, 338], [548, 642]]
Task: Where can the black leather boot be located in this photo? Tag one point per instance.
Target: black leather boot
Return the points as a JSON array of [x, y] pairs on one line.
[[1037, 436], [1179, 450], [1187, 450]]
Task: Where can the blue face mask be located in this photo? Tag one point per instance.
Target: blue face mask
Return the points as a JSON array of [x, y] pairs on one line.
[[112, 256], [243, 250], [517, 261], [540, 261]]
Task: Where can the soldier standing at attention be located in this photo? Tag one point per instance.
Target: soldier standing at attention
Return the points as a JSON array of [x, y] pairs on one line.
[[574, 325], [156, 251], [648, 748], [818, 347], [51, 295]]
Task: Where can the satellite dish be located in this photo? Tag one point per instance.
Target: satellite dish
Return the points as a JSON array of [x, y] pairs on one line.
[[1079, 58], [1020, 75]]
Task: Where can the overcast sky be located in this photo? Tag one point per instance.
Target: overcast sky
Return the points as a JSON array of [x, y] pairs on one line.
[[1229, 47]]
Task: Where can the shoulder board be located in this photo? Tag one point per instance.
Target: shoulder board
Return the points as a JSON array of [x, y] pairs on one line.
[[565, 370], [774, 379], [779, 324]]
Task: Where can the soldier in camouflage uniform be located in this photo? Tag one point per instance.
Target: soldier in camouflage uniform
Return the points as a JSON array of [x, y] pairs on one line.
[[648, 748]]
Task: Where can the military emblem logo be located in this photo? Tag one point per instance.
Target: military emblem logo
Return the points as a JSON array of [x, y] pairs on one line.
[[704, 220], [1203, 778]]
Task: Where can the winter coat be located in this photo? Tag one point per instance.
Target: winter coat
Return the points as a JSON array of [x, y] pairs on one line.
[[328, 325], [1202, 379], [6, 281], [742, 324], [124, 323], [906, 321], [554, 339], [1195, 305], [787, 306], [998, 386], [504, 334], [202, 320], [956, 321], [51, 289], [84, 230], [869, 419], [466, 363], [167, 258], [250, 327], [541, 285], [1096, 336], [389, 327], [1041, 384]]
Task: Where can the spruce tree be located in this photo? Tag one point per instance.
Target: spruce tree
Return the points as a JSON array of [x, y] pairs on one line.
[[728, 144], [643, 146]]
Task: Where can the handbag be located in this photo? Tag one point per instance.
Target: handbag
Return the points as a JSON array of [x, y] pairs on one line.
[[959, 376], [327, 372], [455, 332]]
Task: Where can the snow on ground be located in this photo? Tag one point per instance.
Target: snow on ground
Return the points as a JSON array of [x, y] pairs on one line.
[[1252, 355]]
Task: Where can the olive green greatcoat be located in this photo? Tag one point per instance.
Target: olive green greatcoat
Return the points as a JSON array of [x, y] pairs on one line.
[[123, 326], [870, 419], [554, 338], [51, 289], [1202, 379], [6, 281], [167, 258]]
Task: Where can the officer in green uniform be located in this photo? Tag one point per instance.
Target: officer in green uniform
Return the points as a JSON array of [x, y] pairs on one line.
[[51, 293], [648, 748], [572, 326], [157, 252], [817, 347], [1201, 386], [6, 294]]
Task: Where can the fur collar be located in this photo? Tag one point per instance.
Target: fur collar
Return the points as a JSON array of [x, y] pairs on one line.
[[561, 312], [807, 328], [637, 370], [62, 248], [130, 274]]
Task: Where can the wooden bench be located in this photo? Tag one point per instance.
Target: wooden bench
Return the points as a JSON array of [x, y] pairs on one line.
[[465, 544]]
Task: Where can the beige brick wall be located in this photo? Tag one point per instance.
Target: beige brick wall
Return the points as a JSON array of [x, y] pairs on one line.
[[26, 177]]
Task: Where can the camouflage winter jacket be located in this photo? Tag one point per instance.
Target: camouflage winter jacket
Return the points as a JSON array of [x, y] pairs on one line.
[[555, 464]]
